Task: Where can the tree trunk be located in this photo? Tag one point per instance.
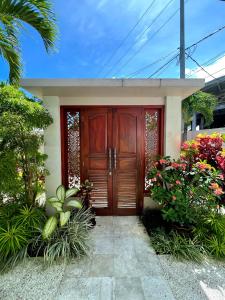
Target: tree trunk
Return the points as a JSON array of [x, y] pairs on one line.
[[185, 133]]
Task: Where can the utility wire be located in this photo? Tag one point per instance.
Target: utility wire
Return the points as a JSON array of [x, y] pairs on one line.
[[162, 67], [153, 21], [200, 66], [206, 37], [151, 37], [151, 64], [128, 34], [216, 73], [189, 48], [207, 63]]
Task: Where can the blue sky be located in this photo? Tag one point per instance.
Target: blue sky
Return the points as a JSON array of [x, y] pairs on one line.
[[91, 30]]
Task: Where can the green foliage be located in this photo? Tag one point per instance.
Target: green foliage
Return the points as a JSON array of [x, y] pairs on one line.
[[13, 14], [210, 230], [69, 241], [62, 209], [179, 246], [184, 191], [199, 102], [18, 228], [22, 165], [12, 239]]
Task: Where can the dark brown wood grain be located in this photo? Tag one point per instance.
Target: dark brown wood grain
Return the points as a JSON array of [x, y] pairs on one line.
[[121, 129]]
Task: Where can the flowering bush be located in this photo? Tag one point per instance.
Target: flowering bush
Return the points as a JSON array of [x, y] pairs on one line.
[[205, 147], [185, 190]]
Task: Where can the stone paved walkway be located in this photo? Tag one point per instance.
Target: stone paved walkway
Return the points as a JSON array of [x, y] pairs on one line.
[[122, 266]]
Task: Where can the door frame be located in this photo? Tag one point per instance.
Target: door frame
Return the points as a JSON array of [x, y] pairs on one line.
[[78, 108]]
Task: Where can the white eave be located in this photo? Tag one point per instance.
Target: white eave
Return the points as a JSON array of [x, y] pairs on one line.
[[112, 87]]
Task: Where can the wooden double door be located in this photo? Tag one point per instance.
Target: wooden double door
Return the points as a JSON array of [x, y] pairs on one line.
[[112, 143]]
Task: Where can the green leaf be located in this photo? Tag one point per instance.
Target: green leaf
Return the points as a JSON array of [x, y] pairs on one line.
[[49, 227], [53, 199], [74, 203], [71, 192], [64, 217], [61, 193], [57, 206]]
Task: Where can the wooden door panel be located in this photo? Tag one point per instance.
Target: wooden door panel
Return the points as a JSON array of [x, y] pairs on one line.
[[127, 128], [127, 144], [98, 129], [96, 140]]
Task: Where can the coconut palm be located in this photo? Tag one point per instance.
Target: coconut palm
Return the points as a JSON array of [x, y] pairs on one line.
[[14, 14]]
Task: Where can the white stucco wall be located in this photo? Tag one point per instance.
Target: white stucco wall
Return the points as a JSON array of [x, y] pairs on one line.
[[52, 145], [172, 141]]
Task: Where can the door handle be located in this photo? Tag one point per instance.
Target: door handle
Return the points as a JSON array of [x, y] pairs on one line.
[[110, 161], [115, 158]]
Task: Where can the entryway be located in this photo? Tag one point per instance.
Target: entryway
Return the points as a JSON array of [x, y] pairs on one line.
[[107, 145]]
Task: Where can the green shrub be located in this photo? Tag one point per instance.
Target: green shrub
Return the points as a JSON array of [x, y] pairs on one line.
[[180, 247], [19, 226], [185, 191], [62, 209], [22, 165], [69, 241], [210, 231]]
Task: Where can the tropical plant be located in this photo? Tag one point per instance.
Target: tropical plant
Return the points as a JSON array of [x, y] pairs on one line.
[[210, 231], [62, 209], [200, 102], [69, 241], [181, 247], [185, 191], [22, 165], [14, 14]]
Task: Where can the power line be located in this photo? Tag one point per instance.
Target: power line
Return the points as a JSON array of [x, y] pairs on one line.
[[151, 64], [154, 20], [151, 37], [216, 72], [189, 48], [200, 66], [162, 67], [206, 37], [207, 63], [128, 34]]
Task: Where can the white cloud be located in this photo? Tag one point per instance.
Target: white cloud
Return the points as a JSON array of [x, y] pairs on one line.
[[216, 69]]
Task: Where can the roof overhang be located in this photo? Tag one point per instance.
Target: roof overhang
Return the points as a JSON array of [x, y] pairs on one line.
[[112, 87]]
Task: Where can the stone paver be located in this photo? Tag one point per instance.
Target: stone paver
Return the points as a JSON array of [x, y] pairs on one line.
[[121, 266]]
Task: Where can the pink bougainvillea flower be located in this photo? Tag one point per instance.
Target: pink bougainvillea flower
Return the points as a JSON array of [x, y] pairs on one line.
[[178, 182]]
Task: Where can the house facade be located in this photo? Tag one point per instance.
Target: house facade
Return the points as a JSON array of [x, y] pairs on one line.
[[110, 131]]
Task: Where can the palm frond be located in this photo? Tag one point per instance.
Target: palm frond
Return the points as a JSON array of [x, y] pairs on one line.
[[37, 14], [10, 52]]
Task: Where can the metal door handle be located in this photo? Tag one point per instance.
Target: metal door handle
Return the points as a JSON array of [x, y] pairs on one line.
[[115, 158], [110, 161]]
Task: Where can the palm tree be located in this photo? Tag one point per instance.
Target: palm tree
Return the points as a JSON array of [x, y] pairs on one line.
[[13, 15]]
